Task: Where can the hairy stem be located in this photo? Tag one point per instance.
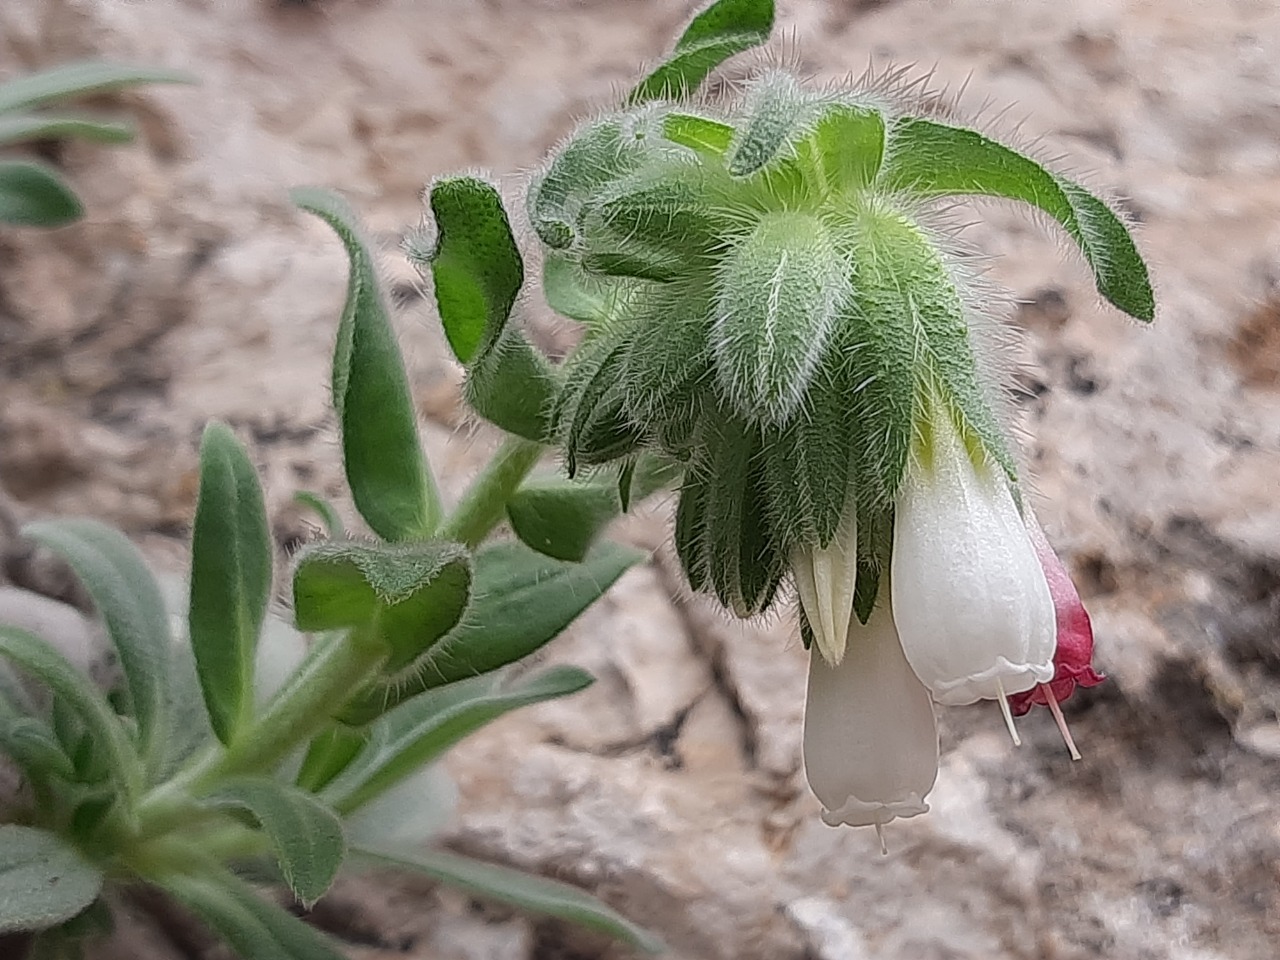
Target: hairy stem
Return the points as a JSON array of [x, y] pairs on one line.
[[484, 504]]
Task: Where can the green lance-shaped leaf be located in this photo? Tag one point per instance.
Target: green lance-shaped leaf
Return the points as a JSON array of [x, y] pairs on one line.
[[327, 512], [403, 596], [25, 128], [390, 480], [230, 579], [130, 603], [723, 30], [476, 266], [562, 518], [477, 273], [73, 693], [779, 292], [328, 755], [927, 158], [79, 80], [34, 195], [43, 880], [520, 600], [255, 928], [532, 894], [305, 835], [420, 730], [34, 748]]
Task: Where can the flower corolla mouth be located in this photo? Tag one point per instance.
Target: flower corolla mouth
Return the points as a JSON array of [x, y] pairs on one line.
[[870, 736]]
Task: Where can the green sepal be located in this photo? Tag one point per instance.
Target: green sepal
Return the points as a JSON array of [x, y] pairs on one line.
[[778, 112], [779, 291], [562, 518], [723, 30], [928, 158], [846, 146], [328, 755], [390, 481]]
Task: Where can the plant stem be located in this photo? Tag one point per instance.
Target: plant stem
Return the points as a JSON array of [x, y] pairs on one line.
[[339, 665], [484, 504]]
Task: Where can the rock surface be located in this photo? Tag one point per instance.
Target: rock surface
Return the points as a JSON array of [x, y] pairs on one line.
[[672, 788]]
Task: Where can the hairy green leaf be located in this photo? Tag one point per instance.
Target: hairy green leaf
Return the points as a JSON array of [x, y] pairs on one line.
[[305, 834], [476, 266], [26, 128], [724, 29], [420, 730], [523, 891], [231, 556], [34, 748], [255, 928], [35, 195], [43, 880], [404, 596], [130, 603], [390, 481], [79, 80], [927, 158], [520, 600], [74, 693]]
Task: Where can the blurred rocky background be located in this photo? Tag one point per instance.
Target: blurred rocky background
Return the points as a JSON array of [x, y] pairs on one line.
[[672, 788]]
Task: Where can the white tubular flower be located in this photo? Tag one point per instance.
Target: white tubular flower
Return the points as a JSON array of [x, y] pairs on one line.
[[969, 596], [825, 579], [870, 738]]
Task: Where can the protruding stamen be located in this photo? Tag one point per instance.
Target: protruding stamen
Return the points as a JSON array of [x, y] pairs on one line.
[[884, 847], [1061, 720], [1008, 715]]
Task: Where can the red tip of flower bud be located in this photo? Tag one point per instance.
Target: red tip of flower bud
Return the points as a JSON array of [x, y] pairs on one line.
[[1074, 652]]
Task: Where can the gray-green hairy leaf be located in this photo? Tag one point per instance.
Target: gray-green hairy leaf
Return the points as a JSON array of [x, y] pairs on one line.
[[231, 557], [305, 835], [73, 693], [35, 195], [26, 128], [420, 730], [43, 880], [403, 596], [520, 890], [78, 80], [929, 158], [390, 481], [520, 600], [725, 29], [130, 603]]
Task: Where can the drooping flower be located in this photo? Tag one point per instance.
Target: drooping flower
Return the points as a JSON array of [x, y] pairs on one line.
[[1073, 656], [870, 737], [970, 600]]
